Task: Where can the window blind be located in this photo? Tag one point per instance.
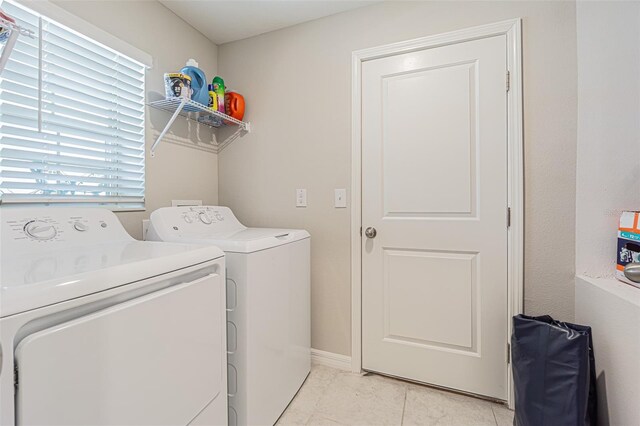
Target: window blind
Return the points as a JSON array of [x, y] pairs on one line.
[[71, 119]]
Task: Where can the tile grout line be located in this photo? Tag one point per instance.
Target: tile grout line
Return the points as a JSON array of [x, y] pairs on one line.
[[495, 419], [404, 404], [314, 410]]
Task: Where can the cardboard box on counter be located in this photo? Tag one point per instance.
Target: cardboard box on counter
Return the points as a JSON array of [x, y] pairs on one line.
[[628, 244]]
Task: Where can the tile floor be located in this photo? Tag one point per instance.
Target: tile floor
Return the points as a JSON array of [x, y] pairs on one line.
[[335, 397]]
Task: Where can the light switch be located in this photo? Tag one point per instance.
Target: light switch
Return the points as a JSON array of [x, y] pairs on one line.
[[301, 198], [341, 198]]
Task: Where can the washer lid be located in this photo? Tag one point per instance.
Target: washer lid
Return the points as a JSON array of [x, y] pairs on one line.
[[216, 225], [251, 240]]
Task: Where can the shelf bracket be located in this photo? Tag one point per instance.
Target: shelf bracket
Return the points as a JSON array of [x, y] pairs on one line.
[[166, 128], [239, 131]]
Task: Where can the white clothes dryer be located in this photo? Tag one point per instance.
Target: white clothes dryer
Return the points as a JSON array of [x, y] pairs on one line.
[[268, 305], [97, 328]]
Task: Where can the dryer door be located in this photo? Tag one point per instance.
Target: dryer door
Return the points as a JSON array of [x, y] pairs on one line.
[[154, 360]]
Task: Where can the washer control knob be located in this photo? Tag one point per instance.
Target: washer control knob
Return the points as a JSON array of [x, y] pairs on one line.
[[219, 216], [39, 230], [204, 218], [80, 227], [187, 218]]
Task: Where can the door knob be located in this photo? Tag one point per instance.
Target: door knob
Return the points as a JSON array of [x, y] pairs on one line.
[[370, 232], [632, 272]]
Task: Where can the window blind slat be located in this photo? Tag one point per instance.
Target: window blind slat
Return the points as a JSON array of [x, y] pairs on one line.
[[18, 89], [21, 14], [25, 54], [133, 149], [17, 77], [88, 46], [59, 53], [22, 70], [56, 108], [66, 48], [28, 175], [95, 189], [21, 99], [65, 66], [95, 171], [18, 114], [72, 119], [15, 154], [13, 122], [112, 113], [98, 89], [25, 113], [50, 91], [70, 126], [65, 149], [107, 201]]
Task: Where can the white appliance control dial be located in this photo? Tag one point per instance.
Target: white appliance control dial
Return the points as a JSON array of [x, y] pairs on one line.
[[204, 218], [187, 218], [39, 230], [79, 226]]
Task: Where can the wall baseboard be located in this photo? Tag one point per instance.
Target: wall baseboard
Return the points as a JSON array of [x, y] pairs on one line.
[[341, 362]]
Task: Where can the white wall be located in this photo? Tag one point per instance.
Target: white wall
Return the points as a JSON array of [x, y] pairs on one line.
[[612, 309], [184, 168], [608, 153], [298, 85], [608, 181]]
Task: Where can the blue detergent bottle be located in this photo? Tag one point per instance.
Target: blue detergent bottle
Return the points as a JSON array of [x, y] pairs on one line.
[[199, 85]]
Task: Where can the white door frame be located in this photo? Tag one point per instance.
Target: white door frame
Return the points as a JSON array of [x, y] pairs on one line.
[[513, 31]]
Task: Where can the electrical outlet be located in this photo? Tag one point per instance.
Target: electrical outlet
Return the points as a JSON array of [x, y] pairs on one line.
[[301, 198], [341, 198]]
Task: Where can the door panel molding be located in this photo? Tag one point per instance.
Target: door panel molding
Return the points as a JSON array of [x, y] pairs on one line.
[[512, 29], [430, 167], [460, 266]]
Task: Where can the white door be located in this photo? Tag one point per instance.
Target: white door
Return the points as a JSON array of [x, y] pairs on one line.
[[434, 188]]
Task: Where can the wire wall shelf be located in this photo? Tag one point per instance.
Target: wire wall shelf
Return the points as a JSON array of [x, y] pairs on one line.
[[201, 114]]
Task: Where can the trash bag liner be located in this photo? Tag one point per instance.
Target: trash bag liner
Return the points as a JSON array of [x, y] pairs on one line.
[[553, 372]]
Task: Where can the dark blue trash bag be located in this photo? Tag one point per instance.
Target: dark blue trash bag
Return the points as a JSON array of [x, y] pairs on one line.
[[553, 373]]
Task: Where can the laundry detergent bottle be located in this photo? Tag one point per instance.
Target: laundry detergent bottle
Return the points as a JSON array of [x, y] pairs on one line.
[[213, 99], [218, 88], [199, 87]]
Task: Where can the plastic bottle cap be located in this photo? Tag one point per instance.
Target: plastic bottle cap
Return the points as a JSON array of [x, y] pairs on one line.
[[192, 63]]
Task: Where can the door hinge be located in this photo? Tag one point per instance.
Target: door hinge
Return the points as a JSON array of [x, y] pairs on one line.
[[508, 353], [508, 217], [508, 80]]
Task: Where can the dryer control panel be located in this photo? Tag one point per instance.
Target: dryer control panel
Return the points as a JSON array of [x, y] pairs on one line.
[[30, 228]]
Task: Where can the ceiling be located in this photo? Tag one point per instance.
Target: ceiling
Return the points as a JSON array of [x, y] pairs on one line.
[[224, 21]]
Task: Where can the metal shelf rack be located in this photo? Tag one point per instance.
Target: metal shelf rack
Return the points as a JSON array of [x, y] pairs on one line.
[[15, 31], [197, 112]]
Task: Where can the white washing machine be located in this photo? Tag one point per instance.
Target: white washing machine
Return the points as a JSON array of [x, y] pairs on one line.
[[97, 328], [268, 312]]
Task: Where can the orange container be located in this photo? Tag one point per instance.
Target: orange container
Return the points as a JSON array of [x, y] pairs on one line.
[[234, 105]]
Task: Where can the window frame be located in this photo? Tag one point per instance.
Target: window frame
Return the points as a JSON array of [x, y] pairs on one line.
[[46, 11]]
